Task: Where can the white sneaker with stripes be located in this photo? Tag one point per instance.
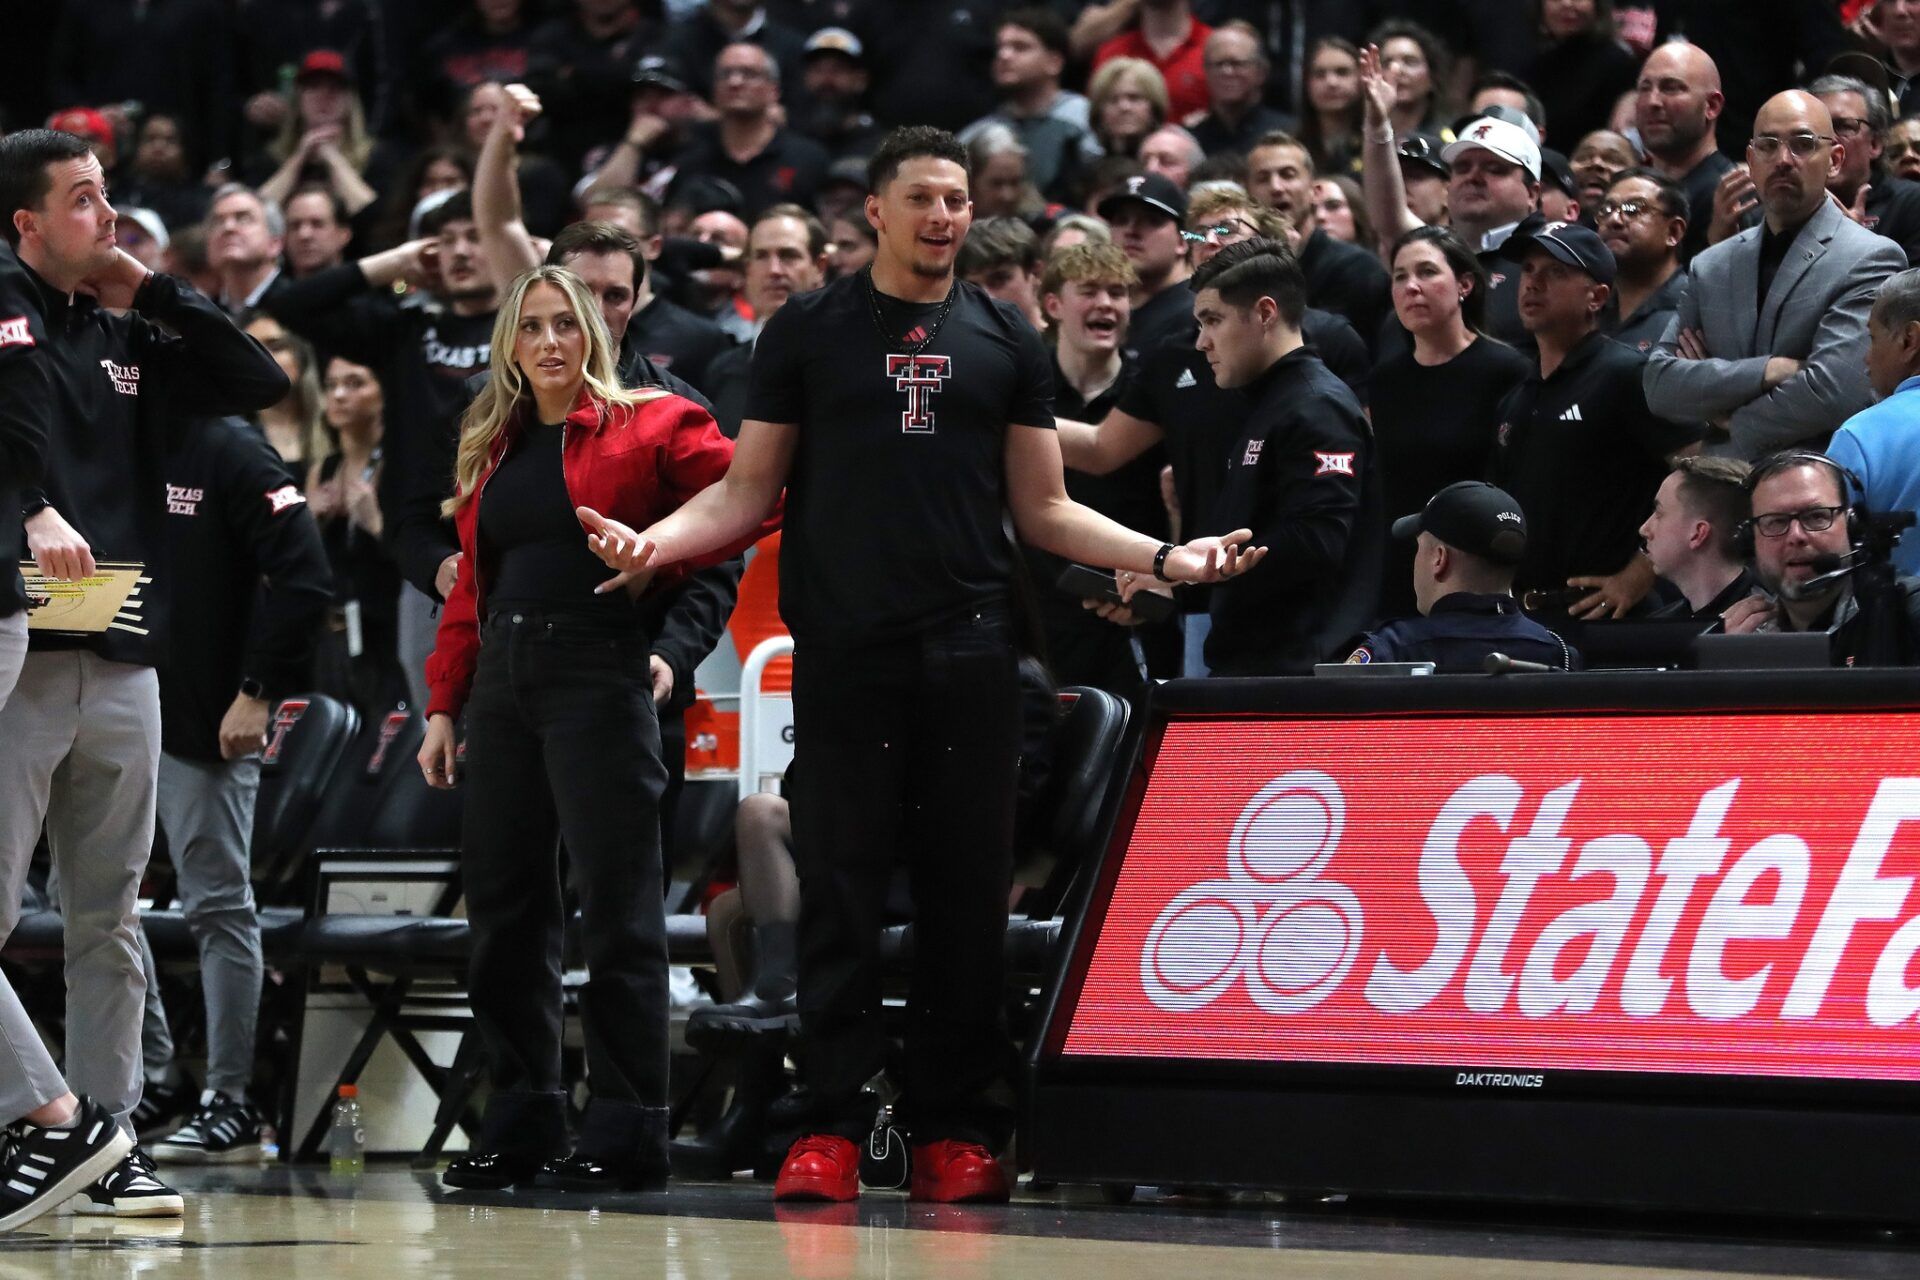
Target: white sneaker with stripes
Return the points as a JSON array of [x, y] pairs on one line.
[[129, 1190], [222, 1131], [41, 1168]]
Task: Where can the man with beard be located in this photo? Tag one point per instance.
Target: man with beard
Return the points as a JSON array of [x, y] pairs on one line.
[[1771, 341], [836, 79], [1676, 109], [1798, 521], [1643, 219]]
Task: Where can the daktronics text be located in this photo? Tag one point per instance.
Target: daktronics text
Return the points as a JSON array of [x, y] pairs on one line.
[[1725, 894]]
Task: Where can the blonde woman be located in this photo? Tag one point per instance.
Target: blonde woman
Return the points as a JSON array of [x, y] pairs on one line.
[[1129, 101], [324, 140], [561, 735]]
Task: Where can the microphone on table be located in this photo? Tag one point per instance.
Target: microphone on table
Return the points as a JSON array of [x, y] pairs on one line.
[[1499, 664]]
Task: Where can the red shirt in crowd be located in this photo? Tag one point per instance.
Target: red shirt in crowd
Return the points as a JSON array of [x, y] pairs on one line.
[[1184, 68]]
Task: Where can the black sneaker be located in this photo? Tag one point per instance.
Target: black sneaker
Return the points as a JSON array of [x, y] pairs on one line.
[[45, 1167], [222, 1131], [128, 1190], [163, 1108]]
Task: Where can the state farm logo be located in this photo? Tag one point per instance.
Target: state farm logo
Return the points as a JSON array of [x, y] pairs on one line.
[[1273, 923]]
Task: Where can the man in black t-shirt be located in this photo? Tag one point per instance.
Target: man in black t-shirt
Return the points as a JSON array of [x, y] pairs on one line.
[[1345, 279], [1577, 445], [906, 415], [1146, 212], [780, 164]]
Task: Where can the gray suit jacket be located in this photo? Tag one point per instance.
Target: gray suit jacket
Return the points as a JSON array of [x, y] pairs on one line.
[[1816, 313]]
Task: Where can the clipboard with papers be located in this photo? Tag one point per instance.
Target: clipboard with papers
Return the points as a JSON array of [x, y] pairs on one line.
[[107, 600]]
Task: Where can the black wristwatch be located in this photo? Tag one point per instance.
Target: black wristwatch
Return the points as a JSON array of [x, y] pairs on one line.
[[251, 688], [1160, 561]]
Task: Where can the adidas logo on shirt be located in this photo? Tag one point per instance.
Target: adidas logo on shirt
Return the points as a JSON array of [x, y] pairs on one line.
[[1572, 415], [1186, 379]]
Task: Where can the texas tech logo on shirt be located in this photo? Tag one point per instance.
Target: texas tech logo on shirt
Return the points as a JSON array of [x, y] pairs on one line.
[[1333, 464], [14, 333], [125, 377], [920, 377], [182, 501]]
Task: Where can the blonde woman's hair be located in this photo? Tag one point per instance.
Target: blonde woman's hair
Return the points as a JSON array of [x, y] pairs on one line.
[[356, 144], [506, 392], [1115, 73]]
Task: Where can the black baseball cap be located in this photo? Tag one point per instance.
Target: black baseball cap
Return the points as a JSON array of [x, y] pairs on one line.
[[1556, 169], [659, 72], [1474, 516], [1573, 244], [1422, 150], [1151, 189]]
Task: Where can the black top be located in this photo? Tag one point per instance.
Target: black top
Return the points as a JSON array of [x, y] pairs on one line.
[[1082, 647], [693, 42], [1699, 184], [538, 549], [897, 489], [1579, 80], [1583, 455], [1773, 251], [932, 60], [1459, 633], [234, 514], [1642, 330], [1435, 425], [1167, 314], [1346, 280], [1893, 210], [788, 169], [1301, 474], [1218, 138], [120, 389], [26, 412], [1735, 591], [363, 568], [673, 337]]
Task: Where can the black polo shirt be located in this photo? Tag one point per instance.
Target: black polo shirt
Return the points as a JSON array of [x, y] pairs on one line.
[[1583, 455], [1218, 138], [1642, 330], [1739, 589], [1301, 474], [1346, 280], [789, 169]]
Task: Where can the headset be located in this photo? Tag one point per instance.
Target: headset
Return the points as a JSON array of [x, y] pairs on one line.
[[1856, 513]]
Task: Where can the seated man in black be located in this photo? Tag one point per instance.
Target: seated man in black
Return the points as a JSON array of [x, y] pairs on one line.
[[1802, 538], [1472, 537], [1690, 539]]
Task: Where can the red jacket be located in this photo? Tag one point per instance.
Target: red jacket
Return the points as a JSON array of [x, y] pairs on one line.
[[636, 464]]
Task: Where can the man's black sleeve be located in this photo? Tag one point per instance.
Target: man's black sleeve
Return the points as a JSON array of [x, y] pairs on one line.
[[417, 478], [213, 368], [340, 313], [694, 623], [267, 514], [1340, 349], [1310, 500], [26, 389]]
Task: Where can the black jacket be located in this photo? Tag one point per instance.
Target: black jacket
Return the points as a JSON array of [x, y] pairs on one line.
[[121, 387], [235, 515], [1459, 633], [25, 409]]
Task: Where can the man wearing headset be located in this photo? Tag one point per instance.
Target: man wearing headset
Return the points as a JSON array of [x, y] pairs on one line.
[[1799, 530]]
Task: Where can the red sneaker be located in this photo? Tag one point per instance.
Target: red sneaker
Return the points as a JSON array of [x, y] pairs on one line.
[[819, 1167], [957, 1173]]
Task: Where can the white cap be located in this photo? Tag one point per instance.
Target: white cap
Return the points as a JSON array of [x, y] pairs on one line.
[[149, 222], [1508, 141]]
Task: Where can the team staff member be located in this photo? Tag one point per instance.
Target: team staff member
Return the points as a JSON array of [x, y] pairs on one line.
[[1577, 445], [23, 449], [1174, 398], [129, 354], [1690, 540], [1469, 539], [236, 516], [1301, 473], [562, 740], [905, 413]]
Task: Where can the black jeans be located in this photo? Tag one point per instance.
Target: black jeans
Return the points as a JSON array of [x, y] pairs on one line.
[[562, 741], [907, 751]]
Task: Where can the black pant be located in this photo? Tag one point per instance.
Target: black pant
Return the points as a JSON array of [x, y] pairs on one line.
[[907, 750], [562, 740]]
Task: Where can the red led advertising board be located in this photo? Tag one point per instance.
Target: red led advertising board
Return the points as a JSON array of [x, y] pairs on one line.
[[1715, 894]]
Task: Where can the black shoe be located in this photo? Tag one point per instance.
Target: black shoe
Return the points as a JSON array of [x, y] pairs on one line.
[[491, 1171], [581, 1173], [131, 1189], [47, 1167], [223, 1131], [163, 1108], [730, 1144], [751, 1016]]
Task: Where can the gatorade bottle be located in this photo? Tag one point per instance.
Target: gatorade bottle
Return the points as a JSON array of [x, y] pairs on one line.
[[348, 1144]]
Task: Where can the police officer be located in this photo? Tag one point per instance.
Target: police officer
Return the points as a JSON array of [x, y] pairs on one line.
[[1471, 537]]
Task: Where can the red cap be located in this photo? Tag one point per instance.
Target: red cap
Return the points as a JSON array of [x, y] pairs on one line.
[[322, 62], [84, 122]]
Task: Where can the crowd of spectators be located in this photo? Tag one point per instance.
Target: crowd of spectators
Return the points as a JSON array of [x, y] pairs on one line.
[[1739, 181]]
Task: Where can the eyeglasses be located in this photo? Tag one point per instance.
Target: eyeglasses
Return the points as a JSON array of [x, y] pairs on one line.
[[1803, 145], [1231, 64], [1849, 125], [1814, 520], [1220, 231], [1628, 209]]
